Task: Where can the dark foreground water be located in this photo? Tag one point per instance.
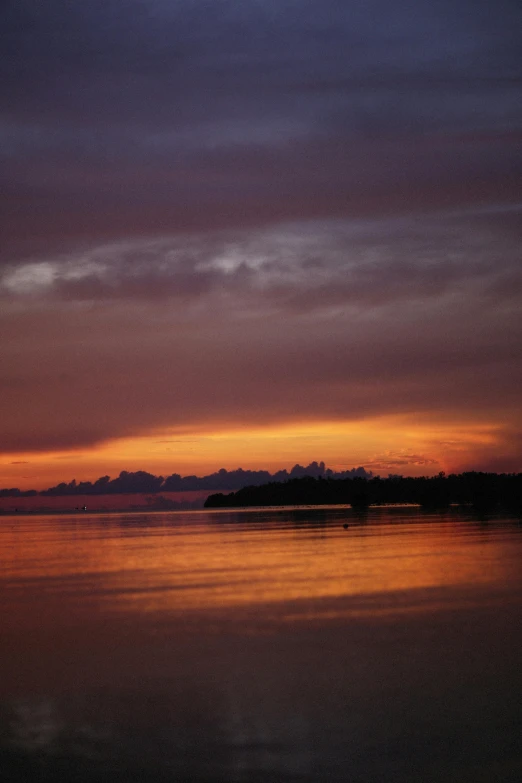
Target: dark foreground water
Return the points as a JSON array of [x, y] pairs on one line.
[[261, 646]]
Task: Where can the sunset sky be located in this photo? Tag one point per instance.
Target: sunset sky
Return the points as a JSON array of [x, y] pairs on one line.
[[258, 233]]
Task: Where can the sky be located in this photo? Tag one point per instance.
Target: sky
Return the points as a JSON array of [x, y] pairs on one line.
[[259, 233]]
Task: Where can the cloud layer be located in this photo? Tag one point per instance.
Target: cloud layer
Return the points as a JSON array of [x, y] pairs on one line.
[[226, 214]]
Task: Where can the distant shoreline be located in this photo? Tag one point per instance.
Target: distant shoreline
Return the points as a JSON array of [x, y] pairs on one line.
[[487, 491], [484, 491]]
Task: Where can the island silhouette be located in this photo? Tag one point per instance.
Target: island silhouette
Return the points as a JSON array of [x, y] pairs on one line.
[[484, 491]]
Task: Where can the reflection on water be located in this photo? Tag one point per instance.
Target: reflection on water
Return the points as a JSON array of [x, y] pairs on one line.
[[269, 645]]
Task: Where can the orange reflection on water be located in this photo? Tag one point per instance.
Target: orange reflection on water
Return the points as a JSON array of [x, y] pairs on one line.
[[181, 564]]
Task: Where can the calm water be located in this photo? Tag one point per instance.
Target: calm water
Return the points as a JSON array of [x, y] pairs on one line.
[[261, 646]]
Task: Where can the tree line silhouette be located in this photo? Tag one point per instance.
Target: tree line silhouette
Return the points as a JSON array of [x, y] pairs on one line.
[[482, 490]]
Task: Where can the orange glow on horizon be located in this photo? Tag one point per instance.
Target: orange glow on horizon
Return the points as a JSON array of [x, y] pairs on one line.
[[384, 445]]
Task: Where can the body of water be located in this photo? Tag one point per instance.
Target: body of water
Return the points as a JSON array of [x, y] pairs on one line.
[[272, 645]]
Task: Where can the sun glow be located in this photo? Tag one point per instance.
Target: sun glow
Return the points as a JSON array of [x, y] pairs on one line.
[[383, 445]]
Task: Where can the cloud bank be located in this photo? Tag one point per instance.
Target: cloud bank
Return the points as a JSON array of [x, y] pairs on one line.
[[225, 215]]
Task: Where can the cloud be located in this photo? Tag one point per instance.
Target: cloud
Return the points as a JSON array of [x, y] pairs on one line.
[[123, 368], [141, 481], [317, 319], [218, 215], [502, 455], [399, 460], [126, 122], [306, 265]]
